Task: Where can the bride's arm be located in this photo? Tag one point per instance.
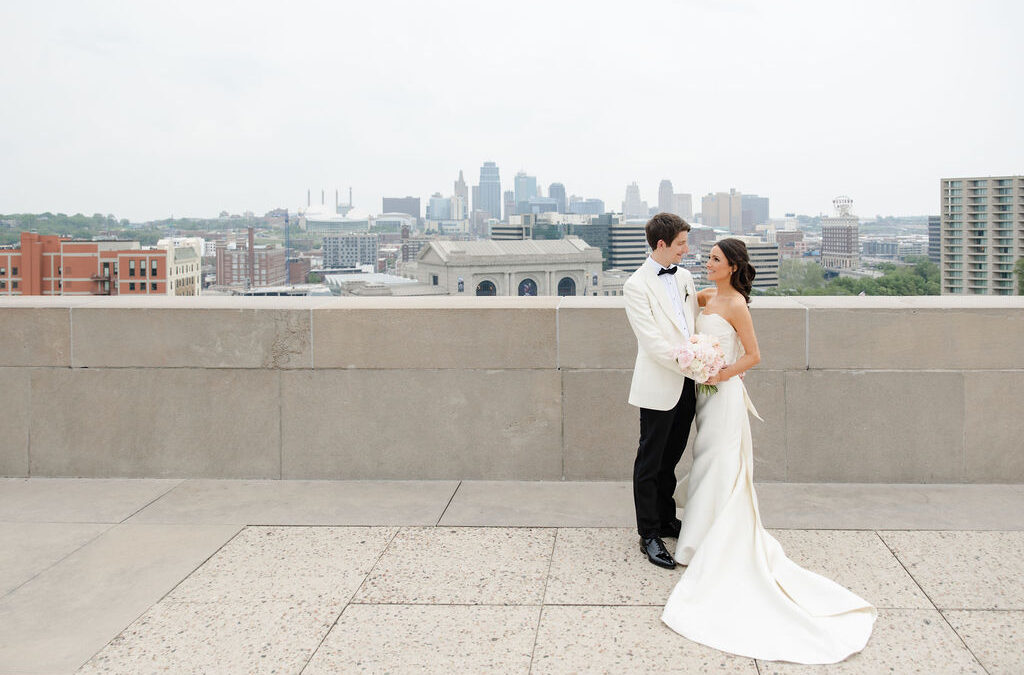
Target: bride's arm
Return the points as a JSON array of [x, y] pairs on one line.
[[739, 317]]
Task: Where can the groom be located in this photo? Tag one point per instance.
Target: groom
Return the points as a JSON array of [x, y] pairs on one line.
[[661, 303]]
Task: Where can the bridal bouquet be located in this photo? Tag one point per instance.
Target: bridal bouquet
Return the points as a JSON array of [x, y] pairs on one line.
[[701, 360]]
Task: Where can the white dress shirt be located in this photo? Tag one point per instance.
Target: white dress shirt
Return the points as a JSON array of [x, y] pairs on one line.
[[669, 280]]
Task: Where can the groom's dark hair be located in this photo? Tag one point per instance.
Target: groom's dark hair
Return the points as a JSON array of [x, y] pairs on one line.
[[665, 227]]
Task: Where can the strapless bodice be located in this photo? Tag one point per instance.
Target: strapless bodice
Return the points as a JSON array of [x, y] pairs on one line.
[[715, 324]]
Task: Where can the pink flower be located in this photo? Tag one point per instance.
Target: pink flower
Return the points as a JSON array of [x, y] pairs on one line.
[[684, 356]]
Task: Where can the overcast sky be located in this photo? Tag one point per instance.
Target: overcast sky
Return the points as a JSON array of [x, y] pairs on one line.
[[147, 110]]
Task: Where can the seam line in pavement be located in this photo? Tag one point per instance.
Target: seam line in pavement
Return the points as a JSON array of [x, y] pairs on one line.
[[543, 599], [49, 567], [450, 499], [934, 606], [152, 501], [162, 597], [350, 601]]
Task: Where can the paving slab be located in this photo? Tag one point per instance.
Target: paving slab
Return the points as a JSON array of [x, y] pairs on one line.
[[858, 560], [59, 619], [429, 639], [302, 502], [871, 506], [174, 637], [996, 638], [964, 570], [26, 549], [477, 566], [904, 641], [76, 500], [606, 567], [541, 504], [622, 640], [260, 564]]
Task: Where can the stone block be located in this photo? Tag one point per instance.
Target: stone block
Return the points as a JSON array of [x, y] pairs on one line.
[[995, 638], [14, 402], [994, 426], [74, 500], [781, 327], [600, 429], [35, 336], [510, 333], [174, 336], [155, 423], [595, 333], [767, 390], [874, 427], [915, 337], [424, 424]]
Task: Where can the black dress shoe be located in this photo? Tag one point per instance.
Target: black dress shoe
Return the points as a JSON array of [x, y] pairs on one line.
[[656, 552], [671, 530]]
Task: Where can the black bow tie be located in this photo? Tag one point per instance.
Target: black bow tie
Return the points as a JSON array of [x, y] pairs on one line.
[[670, 270]]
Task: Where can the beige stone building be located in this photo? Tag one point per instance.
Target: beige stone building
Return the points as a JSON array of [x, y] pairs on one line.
[[567, 266], [982, 234], [840, 241]]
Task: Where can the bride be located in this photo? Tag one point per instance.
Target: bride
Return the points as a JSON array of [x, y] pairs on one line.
[[739, 592]]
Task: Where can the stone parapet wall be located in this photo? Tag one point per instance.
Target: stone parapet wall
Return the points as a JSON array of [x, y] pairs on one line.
[[921, 390]]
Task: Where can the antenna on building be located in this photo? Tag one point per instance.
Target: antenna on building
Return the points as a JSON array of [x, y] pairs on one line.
[[307, 198]]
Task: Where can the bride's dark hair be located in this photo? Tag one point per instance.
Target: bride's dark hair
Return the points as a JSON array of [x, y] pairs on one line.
[[735, 252]]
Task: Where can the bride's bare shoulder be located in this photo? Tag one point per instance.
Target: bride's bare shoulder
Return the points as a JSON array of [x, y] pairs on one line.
[[706, 294]]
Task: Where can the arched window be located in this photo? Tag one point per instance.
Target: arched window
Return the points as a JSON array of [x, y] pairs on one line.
[[486, 288], [527, 287], [566, 286]]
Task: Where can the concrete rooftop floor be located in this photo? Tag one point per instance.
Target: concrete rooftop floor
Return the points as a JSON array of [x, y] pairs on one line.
[[206, 576]]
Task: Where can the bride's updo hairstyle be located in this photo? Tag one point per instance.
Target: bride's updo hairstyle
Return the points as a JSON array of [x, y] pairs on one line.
[[735, 252]]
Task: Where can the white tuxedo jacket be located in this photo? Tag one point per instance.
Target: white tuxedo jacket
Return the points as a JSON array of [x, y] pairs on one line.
[[657, 382]]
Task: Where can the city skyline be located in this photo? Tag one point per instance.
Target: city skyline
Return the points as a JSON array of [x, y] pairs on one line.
[[152, 111]]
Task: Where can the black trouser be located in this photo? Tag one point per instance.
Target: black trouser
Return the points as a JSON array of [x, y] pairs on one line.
[[663, 435]]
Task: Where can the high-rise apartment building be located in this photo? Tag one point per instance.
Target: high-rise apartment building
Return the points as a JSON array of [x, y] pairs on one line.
[[840, 245], [350, 250], [754, 211], [723, 211], [633, 206], [627, 244], [665, 197], [935, 239], [682, 206], [982, 235], [52, 265], [556, 191]]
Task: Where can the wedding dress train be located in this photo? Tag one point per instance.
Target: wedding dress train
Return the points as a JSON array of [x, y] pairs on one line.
[[740, 593]]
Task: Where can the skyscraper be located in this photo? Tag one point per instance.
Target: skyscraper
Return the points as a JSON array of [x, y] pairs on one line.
[[840, 244], [982, 234], [633, 206], [723, 211], [935, 239], [490, 190], [755, 211], [462, 190], [526, 188], [665, 204], [510, 204], [682, 205], [556, 191]]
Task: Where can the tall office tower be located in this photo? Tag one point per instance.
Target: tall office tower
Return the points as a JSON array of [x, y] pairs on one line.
[[627, 244], [490, 190], [439, 208], [410, 205], [840, 246], [526, 189], [590, 207], [462, 190], [935, 239], [682, 206], [982, 234], [754, 211], [556, 191], [665, 202], [723, 211], [510, 204], [633, 206], [474, 204]]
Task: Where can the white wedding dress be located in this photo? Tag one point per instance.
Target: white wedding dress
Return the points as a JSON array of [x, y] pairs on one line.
[[740, 593]]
